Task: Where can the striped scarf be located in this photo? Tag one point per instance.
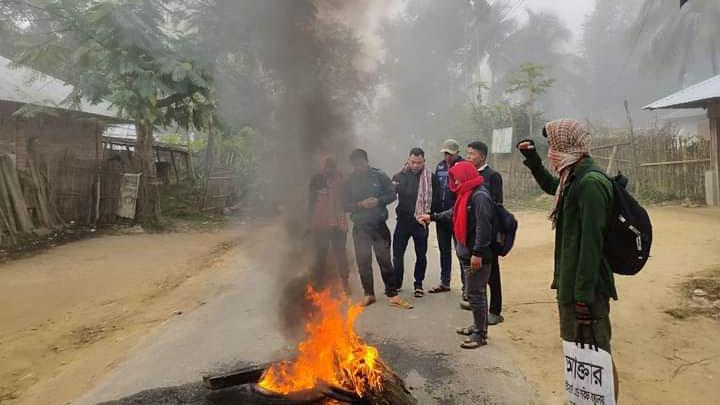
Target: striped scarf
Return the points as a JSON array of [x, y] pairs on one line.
[[424, 196]]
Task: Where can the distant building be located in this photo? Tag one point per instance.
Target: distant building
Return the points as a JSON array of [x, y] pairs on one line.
[[704, 95], [688, 122]]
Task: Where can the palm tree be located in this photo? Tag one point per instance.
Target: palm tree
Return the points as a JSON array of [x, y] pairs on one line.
[[685, 41]]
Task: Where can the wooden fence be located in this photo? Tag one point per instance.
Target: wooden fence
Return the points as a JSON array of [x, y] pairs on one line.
[[669, 167]]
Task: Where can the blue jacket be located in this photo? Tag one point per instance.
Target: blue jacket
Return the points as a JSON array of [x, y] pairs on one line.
[[443, 198]]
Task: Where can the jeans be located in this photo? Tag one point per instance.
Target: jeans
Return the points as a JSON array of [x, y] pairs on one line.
[[445, 240], [476, 289], [404, 230], [495, 288], [368, 238], [337, 239]]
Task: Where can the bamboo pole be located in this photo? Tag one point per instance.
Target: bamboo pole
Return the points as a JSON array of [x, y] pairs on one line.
[[636, 181]]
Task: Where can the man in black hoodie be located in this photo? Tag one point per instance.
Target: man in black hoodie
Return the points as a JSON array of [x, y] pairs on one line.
[[366, 194]]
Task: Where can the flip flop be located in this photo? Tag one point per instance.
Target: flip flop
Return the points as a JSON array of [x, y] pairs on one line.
[[439, 289], [402, 304], [419, 293]]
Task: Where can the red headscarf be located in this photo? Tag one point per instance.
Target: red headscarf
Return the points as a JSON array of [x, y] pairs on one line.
[[469, 179]]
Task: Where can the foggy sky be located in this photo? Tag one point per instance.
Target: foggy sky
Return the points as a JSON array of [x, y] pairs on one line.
[[572, 12]]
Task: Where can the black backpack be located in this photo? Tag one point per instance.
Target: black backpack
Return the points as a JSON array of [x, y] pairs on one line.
[[505, 228], [629, 231]]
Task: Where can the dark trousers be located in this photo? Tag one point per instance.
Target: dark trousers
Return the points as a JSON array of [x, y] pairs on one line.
[[404, 230], [336, 239], [445, 240], [495, 288], [476, 289], [369, 238]]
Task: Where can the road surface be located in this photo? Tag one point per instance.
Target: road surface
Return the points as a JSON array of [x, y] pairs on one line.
[[240, 326]]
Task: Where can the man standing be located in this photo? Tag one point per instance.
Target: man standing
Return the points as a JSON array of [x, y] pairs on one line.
[[327, 220], [367, 192], [414, 185], [472, 218], [443, 200], [478, 154], [583, 199]]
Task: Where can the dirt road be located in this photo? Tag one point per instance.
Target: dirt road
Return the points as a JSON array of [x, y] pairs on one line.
[[661, 360], [71, 313]]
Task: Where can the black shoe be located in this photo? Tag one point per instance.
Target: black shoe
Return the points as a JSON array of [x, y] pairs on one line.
[[495, 319]]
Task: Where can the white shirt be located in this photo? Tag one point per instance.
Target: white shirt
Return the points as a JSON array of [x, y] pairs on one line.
[[483, 167]]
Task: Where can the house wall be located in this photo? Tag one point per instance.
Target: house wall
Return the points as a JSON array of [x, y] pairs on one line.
[[66, 150], [55, 138]]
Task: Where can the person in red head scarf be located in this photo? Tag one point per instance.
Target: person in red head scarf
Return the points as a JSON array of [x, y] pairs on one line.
[[472, 220]]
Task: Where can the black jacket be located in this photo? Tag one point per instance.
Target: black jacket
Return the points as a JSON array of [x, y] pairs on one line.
[[406, 185], [360, 186], [493, 183], [443, 198], [481, 218]]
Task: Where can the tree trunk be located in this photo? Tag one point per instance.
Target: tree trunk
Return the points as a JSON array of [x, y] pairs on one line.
[[148, 201]]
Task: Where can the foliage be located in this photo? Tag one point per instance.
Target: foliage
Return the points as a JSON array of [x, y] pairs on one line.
[[427, 50], [529, 79], [683, 41], [116, 51]]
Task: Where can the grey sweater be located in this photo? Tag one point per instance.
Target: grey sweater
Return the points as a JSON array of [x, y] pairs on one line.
[[481, 217]]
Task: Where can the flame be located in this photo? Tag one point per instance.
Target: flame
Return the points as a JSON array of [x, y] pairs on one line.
[[332, 352]]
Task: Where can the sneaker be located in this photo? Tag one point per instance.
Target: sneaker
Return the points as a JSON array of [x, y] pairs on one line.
[[495, 319], [368, 300], [398, 302], [465, 305]]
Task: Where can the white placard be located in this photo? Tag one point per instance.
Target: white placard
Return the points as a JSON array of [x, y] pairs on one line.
[[128, 195], [502, 140]]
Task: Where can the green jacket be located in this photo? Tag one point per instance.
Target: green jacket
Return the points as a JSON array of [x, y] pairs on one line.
[[581, 271]]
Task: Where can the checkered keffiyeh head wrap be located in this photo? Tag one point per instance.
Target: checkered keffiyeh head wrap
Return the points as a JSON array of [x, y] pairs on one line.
[[568, 136], [569, 142]]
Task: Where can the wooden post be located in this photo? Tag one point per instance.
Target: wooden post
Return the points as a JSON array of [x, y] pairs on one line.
[[612, 160], [210, 158], [172, 159], [99, 157], [636, 179], [714, 117]]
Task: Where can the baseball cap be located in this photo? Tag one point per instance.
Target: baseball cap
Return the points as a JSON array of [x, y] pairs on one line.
[[450, 146]]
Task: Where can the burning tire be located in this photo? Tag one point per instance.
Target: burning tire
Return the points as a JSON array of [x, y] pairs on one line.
[[312, 396], [341, 394]]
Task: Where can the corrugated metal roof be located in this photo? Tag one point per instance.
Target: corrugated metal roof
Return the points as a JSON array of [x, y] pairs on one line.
[[697, 96], [28, 86]]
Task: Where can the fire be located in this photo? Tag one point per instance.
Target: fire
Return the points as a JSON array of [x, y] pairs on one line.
[[332, 352]]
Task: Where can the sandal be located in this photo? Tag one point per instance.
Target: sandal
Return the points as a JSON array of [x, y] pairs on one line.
[[419, 293], [474, 342], [466, 331], [398, 302], [439, 289]]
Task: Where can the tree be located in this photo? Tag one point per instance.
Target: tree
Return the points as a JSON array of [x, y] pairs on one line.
[[116, 51], [530, 79], [542, 39], [683, 41], [428, 51]]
